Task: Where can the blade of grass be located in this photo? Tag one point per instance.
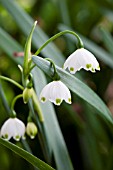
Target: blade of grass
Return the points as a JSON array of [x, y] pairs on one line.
[[26, 155], [107, 39], [6, 44]]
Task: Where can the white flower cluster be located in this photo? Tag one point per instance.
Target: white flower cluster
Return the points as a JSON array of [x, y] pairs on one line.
[[56, 91], [15, 128]]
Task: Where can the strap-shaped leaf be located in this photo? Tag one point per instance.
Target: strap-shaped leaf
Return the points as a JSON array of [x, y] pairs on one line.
[[10, 46], [26, 155], [107, 39], [76, 86]]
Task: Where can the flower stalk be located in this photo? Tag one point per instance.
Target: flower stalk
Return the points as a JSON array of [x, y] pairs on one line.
[[12, 81], [55, 75], [36, 105], [58, 35], [13, 114]]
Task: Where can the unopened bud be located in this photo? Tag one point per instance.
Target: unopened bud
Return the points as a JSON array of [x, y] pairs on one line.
[[27, 94], [31, 130]]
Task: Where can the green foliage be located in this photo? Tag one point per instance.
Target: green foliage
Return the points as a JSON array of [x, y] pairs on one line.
[[77, 136]]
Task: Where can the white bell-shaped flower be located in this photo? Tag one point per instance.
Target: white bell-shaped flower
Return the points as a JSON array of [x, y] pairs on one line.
[[81, 58], [13, 127], [55, 92]]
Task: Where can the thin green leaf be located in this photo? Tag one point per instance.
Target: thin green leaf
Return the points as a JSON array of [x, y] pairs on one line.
[[27, 50], [98, 51], [109, 161], [4, 101], [10, 46], [26, 155], [91, 156], [107, 39], [77, 87], [25, 22]]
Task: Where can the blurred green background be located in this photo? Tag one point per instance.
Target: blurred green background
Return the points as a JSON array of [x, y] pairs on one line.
[[89, 149]]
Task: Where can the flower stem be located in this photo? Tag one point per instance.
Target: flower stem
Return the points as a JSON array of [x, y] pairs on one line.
[[37, 107], [56, 36], [12, 81], [55, 75], [13, 103], [32, 67]]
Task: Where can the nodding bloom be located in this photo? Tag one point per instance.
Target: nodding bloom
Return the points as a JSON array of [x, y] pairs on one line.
[[31, 130], [13, 127], [55, 92], [81, 58]]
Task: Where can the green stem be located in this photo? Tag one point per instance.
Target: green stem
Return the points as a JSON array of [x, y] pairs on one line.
[[31, 68], [56, 36], [55, 75], [37, 107], [12, 81], [14, 101]]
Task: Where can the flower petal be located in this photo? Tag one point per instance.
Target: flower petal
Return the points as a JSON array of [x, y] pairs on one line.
[[7, 130], [45, 93], [19, 129]]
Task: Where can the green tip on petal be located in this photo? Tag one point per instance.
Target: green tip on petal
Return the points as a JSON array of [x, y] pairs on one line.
[[98, 68], [71, 69], [6, 136], [58, 101], [17, 138], [69, 100], [32, 136], [88, 65], [43, 99], [93, 70]]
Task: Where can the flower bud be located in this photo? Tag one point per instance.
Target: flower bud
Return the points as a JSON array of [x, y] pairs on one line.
[[27, 93], [31, 130]]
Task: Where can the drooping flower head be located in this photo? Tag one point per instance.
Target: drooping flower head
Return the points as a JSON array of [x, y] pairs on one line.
[[13, 127], [81, 58], [31, 130], [56, 92]]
